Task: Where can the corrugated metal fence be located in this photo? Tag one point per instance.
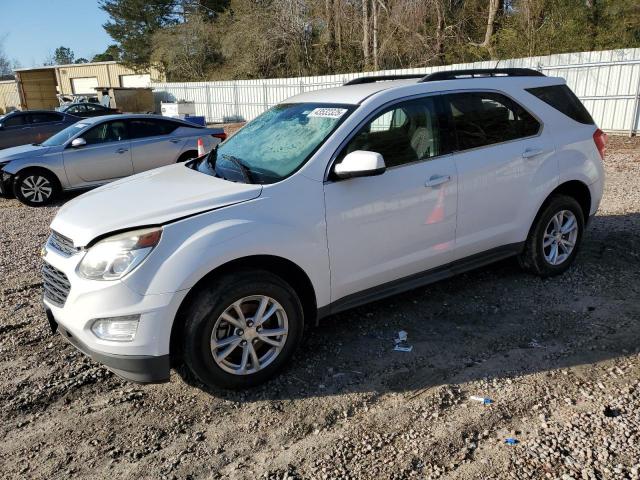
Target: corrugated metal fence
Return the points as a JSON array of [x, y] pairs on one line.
[[608, 83]]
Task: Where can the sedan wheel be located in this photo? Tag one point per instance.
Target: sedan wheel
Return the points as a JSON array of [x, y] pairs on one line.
[[35, 188]]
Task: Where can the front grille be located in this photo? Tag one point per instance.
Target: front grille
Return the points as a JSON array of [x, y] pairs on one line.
[[56, 285], [62, 244]]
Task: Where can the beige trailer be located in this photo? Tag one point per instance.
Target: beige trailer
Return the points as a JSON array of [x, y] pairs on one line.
[[9, 98], [128, 100], [39, 87]]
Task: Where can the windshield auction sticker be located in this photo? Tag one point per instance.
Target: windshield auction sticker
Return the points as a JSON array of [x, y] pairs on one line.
[[327, 112]]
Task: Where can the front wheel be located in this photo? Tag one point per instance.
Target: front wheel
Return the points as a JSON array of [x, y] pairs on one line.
[[242, 330], [554, 239], [36, 188]]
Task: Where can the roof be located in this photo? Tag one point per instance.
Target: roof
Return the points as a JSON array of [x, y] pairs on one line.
[[125, 116], [67, 65], [355, 94]]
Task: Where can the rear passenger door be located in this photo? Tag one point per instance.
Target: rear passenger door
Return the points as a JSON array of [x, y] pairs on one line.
[[44, 124], [14, 132], [503, 158], [152, 144]]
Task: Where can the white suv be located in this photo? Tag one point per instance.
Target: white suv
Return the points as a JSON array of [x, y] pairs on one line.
[[329, 200]]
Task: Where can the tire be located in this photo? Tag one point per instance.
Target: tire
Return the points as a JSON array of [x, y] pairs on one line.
[[538, 254], [205, 321], [186, 156], [36, 188]]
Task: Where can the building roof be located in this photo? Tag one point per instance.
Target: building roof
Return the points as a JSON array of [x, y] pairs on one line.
[[68, 65]]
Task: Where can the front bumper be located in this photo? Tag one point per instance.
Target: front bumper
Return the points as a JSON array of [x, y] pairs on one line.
[[146, 357], [137, 368], [6, 184]]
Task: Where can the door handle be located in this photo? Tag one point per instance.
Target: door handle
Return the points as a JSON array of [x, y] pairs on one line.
[[122, 150], [174, 140], [436, 180], [532, 152]]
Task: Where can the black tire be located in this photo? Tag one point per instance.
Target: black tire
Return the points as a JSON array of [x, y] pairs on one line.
[[186, 156], [36, 187], [210, 303], [533, 256]]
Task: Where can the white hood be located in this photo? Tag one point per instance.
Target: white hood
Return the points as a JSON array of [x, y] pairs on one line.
[[149, 198]]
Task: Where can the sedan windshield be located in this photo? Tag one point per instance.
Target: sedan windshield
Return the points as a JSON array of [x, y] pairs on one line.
[[63, 135], [278, 142]]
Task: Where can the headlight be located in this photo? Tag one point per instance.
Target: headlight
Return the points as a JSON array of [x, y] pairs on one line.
[[114, 257]]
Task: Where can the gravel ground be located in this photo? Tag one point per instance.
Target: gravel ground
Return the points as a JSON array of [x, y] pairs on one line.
[[560, 359]]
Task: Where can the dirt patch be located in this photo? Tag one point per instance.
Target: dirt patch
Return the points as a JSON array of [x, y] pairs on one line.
[[559, 358]]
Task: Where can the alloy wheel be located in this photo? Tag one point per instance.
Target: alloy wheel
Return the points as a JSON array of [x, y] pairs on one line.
[[560, 237], [249, 335], [36, 188]]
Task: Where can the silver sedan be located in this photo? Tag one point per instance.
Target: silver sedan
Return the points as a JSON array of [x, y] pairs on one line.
[[98, 150]]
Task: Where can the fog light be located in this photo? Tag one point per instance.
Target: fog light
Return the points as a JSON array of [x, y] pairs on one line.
[[116, 329]]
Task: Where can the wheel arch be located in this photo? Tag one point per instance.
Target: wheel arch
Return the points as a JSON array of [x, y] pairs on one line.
[[25, 170], [579, 191], [290, 272], [572, 188]]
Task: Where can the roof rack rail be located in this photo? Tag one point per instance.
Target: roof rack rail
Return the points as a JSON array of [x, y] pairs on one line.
[[481, 72], [382, 78]]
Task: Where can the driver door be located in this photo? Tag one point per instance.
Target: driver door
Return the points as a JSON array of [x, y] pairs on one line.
[[386, 227], [105, 157]]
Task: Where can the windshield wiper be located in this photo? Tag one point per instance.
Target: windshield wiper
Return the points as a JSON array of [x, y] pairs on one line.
[[246, 173], [212, 157]]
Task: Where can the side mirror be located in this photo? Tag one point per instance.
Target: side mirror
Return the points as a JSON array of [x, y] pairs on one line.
[[78, 142], [360, 164]]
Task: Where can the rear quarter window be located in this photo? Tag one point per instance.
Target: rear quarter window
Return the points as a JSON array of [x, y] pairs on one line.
[[564, 100]]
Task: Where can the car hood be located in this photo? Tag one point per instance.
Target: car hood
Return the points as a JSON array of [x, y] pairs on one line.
[[150, 198], [23, 151]]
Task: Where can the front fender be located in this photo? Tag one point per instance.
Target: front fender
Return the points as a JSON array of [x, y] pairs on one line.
[[193, 247], [51, 162]]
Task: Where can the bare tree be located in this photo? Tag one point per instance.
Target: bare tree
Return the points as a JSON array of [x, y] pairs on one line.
[[494, 6], [365, 34]]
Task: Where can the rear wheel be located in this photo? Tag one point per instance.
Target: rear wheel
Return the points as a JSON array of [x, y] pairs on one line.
[[36, 187], [554, 239], [242, 330]]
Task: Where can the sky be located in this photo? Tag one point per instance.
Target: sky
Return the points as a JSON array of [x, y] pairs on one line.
[[30, 30]]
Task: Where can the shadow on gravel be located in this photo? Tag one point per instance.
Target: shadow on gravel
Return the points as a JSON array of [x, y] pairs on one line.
[[496, 322]]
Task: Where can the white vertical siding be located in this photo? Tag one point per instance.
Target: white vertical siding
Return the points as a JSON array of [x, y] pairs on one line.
[[608, 83]]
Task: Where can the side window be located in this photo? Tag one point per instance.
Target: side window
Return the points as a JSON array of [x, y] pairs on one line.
[[92, 108], [485, 118], [141, 128], [14, 121], [43, 117], [106, 132], [76, 109], [404, 133]]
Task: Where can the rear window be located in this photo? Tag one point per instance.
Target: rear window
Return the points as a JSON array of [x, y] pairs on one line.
[[564, 100], [141, 128], [44, 117]]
